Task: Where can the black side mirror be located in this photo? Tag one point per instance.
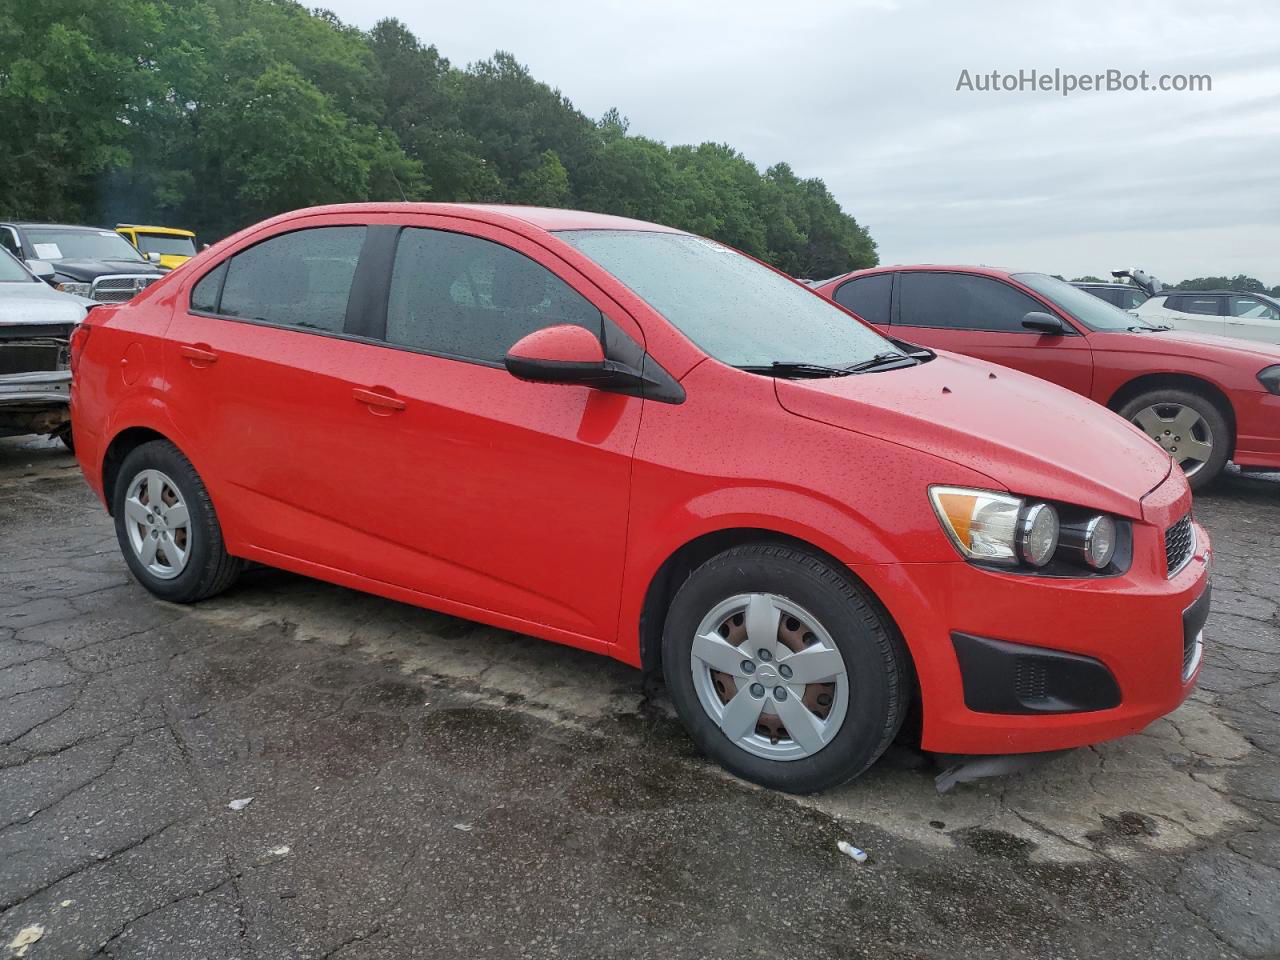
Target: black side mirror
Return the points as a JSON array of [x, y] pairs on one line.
[[1045, 323]]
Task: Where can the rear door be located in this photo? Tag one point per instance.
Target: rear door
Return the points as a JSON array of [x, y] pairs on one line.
[[257, 363], [1252, 319], [469, 484], [982, 316]]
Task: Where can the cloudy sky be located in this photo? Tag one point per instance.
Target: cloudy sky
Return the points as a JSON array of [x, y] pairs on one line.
[[862, 93]]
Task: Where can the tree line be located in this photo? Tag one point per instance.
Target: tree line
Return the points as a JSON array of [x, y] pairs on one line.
[[213, 114]]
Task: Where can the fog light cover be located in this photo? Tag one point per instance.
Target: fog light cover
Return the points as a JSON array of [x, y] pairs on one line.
[[1099, 542]]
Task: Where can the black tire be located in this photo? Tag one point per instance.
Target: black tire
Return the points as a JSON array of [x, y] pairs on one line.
[[1206, 408], [875, 659], [210, 569]]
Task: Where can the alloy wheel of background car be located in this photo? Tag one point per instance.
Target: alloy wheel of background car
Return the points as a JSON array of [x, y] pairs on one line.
[[1181, 431], [748, 617], [1190, 428], [167, 528], [158, 524], [770, 676]]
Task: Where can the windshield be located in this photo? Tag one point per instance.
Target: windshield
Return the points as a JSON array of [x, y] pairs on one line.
[[80, 245], [736, 310], [1094, 313], [166, 245], [11, 271]]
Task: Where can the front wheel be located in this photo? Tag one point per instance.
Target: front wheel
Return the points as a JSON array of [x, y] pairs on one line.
[[1189, 426], [167, 528], [782, 670]]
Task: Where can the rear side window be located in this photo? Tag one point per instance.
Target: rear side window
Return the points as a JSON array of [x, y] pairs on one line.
[[868, 297], [1203, 305], [1133, 298], [962, 301], [469, 298], [204, 295], [299, 279]]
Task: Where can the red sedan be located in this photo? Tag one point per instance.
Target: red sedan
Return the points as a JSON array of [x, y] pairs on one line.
[[639, 442], [1204, 399]]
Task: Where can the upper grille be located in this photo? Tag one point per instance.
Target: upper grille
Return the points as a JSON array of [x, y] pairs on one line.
[[1179, 545], [119, 288]]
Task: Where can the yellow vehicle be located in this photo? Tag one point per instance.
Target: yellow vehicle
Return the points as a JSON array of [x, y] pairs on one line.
[[168, 246]]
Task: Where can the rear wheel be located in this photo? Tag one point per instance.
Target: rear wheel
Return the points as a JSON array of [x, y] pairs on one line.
[[167, 528], [782, 670], [1189, 426]]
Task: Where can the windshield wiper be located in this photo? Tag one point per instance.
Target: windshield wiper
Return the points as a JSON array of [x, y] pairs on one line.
[[1145, 329], [795, 368], [883, 361]]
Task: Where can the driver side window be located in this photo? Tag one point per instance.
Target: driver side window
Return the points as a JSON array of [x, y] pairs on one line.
[[961, 301], [471, 299]]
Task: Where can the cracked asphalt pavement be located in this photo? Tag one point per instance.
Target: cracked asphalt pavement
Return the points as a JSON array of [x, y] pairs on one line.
[[424, 786]]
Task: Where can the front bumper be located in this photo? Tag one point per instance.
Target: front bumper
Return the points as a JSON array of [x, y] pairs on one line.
[[1134, 626], [35, 402]]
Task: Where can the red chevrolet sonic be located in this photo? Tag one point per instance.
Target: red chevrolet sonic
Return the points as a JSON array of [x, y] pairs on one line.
[[1204, 399], [640, 442]]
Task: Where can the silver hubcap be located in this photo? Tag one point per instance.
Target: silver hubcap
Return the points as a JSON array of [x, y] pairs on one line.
[[158, 524], [1184, 434], [770, 676]]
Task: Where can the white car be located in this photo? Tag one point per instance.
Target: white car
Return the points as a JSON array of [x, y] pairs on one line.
[[36, 322], [1227, 313]]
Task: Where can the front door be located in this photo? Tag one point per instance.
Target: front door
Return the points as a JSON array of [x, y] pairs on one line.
[[477, 487], [982, 316]]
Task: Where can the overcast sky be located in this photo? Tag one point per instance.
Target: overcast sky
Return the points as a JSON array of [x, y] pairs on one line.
[[863, 94]]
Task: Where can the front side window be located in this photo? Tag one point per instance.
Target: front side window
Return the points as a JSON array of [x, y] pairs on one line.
[[735, 309], [868, 296], [1133, 299], [11, 271], [9, 240], [50, 244], [299, 279], [472, 299], [1253, 309], [964, 301], [1083, 306]]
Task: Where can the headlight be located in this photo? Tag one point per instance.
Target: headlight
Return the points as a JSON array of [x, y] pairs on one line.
[[1270, 378], [79, 289], [1092, 541], [1001, 529]]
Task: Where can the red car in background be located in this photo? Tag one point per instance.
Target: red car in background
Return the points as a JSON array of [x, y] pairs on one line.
[[1204, 399], [639, 442]]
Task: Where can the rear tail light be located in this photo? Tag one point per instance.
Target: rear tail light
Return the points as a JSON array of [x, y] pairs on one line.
[[79, 337]]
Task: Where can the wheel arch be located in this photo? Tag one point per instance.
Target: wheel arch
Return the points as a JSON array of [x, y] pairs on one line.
[[686, 558], [1178, 381], [121, 445]]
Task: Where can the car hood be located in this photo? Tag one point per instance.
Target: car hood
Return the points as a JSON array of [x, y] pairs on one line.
[[38, 303], [86, 271], [1029, 436], [1185, 345]]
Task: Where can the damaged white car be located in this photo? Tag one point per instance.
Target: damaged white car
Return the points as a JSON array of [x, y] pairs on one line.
[[35, 334]]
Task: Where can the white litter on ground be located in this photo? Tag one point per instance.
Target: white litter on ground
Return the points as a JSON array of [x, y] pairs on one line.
[[25, 938], [464, 827], [279, 851], [849, 850], [67, 903], [241, 803]]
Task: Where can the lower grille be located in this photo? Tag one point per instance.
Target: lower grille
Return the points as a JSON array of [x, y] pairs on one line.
[[119, 288], [1179, 545]]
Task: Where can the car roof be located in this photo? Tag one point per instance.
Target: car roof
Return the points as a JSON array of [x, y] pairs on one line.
[[57, 226], [936, 267], [1217, 293], [542, 218], [166, 231], [1107, 284]]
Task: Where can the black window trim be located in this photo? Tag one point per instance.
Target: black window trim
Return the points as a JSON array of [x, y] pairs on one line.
[[1069, 322]]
